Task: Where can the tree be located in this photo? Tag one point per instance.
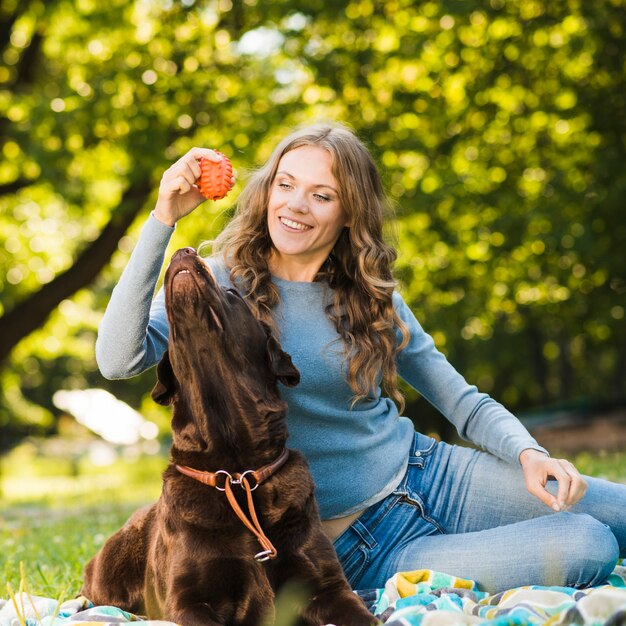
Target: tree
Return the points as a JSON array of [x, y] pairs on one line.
[[96, 102], [499, 127]]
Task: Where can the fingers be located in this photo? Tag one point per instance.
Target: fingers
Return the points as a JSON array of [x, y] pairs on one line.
[[564, 480], [180, 181], [537, 489], [206, 153], [571, 485], [190, 162], [187, 168], [195, 154], [182, 175], [577, 484], [178, 192]]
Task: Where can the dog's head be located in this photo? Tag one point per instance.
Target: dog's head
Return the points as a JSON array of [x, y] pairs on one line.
[[220, 359]]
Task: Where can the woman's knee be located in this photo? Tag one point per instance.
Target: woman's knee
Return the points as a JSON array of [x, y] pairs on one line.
[[592, 551]]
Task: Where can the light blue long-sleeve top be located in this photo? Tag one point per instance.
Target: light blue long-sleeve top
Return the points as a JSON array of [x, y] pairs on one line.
[[357, 457]]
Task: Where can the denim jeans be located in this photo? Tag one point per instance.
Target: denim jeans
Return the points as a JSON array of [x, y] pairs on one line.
[[466, 513]]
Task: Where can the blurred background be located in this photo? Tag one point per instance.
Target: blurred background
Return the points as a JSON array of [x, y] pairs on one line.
[[500, 131]]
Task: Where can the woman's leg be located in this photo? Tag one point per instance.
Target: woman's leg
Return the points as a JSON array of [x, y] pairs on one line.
[[562, 549], [468, 514], [469, 490]]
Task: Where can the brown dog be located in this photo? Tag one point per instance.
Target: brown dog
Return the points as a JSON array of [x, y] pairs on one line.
[[194, 557]]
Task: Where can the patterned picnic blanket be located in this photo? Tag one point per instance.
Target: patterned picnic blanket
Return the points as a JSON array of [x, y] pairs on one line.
[[419, 598]]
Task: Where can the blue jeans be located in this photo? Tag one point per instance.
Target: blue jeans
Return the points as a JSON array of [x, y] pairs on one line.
[[466, 513]]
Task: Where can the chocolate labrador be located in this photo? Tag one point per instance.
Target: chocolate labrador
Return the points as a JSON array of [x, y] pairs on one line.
[[237, 517]]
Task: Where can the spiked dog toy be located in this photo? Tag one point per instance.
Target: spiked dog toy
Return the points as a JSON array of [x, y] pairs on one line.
[[215, 178]]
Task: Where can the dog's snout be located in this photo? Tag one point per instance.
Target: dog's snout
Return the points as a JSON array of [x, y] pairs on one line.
[[184, 252]]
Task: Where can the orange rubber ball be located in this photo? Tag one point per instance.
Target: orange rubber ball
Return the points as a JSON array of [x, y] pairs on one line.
[[215, 178]]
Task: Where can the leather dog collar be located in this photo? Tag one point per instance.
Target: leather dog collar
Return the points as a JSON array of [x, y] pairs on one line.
[[211, 479]]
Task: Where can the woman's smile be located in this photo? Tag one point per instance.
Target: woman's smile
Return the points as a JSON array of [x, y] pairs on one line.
[[293, 225]]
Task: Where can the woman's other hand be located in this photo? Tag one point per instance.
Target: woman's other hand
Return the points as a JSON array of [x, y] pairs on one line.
[[538, 468], [178, 193]]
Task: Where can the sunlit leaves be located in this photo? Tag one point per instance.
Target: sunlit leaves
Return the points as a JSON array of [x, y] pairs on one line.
[[498, 127]]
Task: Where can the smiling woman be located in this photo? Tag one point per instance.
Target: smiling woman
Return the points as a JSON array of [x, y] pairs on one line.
[[320, 195], [306, 250]]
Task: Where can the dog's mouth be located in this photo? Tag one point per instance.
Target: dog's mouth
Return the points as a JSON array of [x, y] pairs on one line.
[[191, 282]]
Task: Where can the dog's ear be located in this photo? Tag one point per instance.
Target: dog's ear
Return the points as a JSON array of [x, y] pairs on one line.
[[166, 384], [282, 365]]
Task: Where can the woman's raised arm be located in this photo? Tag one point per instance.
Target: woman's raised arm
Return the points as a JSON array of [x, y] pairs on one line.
[[130, 338], [133, 333]]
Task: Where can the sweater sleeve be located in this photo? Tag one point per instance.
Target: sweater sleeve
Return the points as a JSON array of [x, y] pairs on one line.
[[134, 331], [477, 417]]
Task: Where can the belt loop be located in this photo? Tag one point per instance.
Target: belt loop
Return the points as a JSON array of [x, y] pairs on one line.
[[361, 530], [415, 456]]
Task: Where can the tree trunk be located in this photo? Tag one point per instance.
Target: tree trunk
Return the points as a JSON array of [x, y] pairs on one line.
[[32, 312]]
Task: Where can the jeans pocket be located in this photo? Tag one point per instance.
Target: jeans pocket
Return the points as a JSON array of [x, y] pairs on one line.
[[423, 447], [355, 563]]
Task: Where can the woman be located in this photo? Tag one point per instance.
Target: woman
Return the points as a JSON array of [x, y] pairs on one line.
[[306, 250]]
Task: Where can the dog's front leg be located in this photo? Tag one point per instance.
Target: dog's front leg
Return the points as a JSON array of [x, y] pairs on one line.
[[229, 591], [115, 576], [246, 609], [331, 600], [338, 606], [198, 614]]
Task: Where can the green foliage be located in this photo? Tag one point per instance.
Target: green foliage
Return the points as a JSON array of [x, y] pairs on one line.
[[499, 128]]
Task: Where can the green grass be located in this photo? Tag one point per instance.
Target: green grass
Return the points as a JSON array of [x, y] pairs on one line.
[[56, 514], [54, 545], [608, 465]]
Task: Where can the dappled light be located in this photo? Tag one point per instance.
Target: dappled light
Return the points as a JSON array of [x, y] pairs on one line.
[[105, 415], [497, 127]]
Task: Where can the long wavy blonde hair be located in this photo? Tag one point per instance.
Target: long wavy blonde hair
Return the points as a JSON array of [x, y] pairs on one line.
[[358, 268]]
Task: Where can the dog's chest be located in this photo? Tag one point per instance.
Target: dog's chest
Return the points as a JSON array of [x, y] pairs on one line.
[[207, 511]]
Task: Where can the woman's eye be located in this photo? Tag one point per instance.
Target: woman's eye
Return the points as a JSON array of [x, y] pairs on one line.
[[284, 185], [322, 198]]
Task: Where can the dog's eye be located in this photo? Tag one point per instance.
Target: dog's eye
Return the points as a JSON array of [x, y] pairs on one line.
[[234, 292]]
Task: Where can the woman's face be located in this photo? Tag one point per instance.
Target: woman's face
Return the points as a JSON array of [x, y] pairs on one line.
[[304, 215]]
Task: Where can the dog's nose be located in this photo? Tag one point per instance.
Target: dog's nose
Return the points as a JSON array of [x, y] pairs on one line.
[[183, 252]]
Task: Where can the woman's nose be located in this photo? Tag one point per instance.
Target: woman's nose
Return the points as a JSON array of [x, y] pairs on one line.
[[297, 203]]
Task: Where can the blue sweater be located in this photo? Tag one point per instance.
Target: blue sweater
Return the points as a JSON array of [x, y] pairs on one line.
[[358, 456]]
